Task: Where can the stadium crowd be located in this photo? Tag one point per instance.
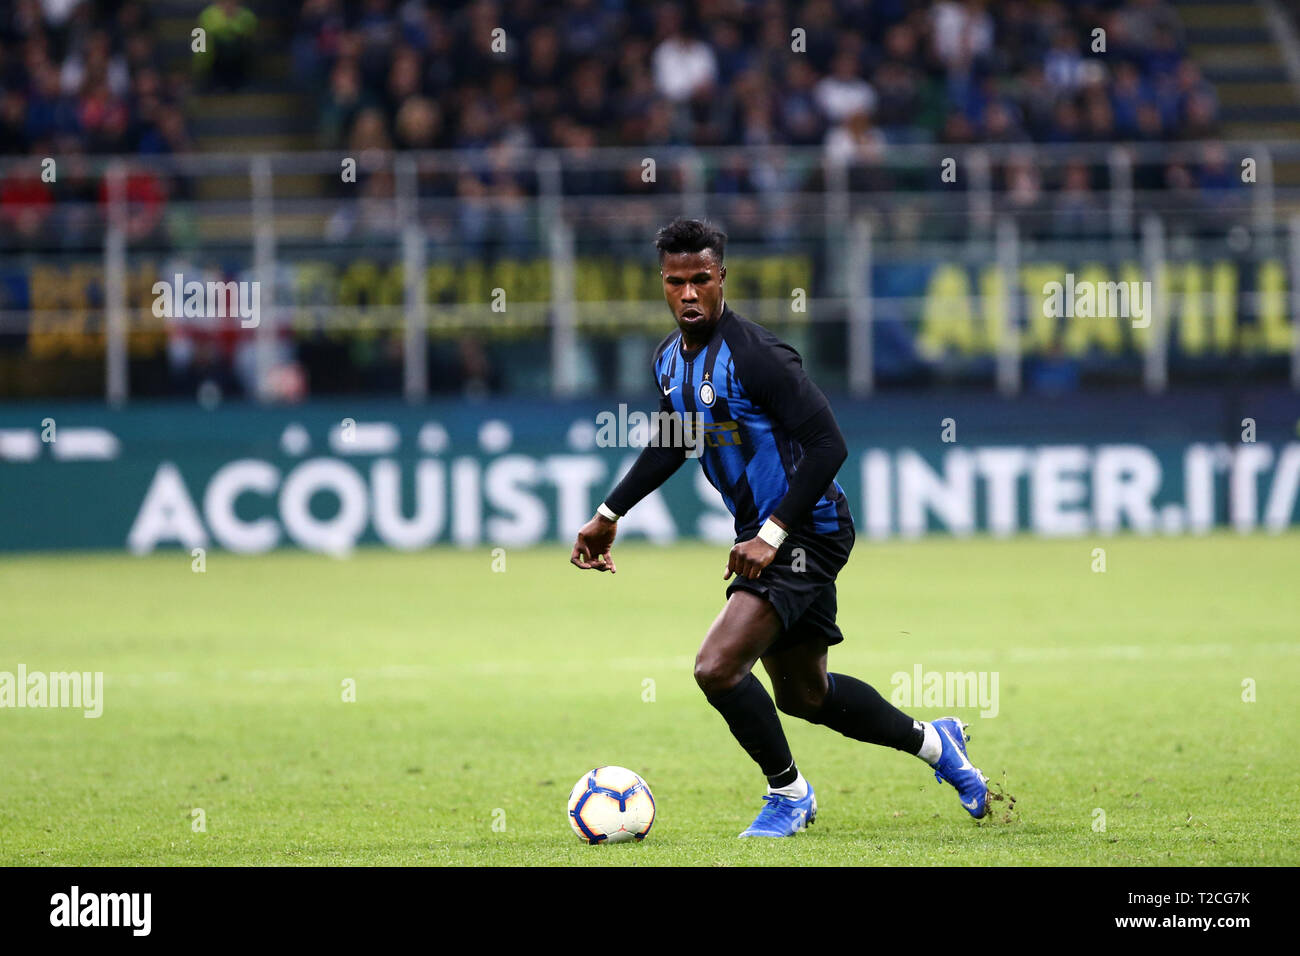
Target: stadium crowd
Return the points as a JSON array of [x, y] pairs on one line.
[[79, 79], [849, 77], [721, 72]]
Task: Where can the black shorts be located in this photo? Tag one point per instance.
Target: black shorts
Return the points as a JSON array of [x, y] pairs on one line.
[[804, 599]]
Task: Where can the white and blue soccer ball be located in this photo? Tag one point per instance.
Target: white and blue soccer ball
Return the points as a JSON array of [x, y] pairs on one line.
[[611, 805]]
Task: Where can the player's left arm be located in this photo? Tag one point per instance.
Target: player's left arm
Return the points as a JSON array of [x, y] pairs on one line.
[[778, 382]]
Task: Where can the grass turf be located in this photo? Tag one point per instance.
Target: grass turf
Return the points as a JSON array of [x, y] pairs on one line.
[[481, 697]]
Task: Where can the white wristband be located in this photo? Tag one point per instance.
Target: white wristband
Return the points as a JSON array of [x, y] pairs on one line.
[[604, 511], [773, 533]]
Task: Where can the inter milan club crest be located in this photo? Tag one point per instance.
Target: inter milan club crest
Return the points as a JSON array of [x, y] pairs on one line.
[[706, 394]]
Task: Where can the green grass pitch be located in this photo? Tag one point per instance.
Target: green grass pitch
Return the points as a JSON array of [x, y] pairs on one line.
[[481, 696]]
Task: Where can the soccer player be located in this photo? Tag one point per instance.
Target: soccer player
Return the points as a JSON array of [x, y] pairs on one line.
[[767, 440]]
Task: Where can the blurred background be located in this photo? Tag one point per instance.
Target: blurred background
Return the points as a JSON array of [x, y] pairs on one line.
[[448, 211]]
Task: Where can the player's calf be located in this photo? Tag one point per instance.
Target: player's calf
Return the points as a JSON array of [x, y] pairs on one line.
[[857, 710]]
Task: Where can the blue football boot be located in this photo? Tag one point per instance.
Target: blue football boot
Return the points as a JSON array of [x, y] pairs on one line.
[[954, 767], [782, 816]]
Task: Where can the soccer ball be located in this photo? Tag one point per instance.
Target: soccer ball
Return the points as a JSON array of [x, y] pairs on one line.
[[611, 805]]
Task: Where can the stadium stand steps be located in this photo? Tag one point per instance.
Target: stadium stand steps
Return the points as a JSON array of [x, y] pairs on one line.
[[1231, 42], [269, 113]]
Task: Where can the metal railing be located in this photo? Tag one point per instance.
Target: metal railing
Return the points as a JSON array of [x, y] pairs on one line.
[[841, 225]]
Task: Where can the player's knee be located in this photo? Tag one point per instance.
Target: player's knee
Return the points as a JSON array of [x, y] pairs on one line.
[[801, 705], [804, 701], [715, 675]]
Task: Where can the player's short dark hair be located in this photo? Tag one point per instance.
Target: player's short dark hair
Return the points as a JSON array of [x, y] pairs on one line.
[[690, 235]]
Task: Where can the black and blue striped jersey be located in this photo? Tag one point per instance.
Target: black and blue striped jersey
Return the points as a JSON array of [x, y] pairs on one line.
[[749, 394]]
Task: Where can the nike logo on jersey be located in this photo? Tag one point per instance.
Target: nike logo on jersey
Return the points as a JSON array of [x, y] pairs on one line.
[[670, 391]]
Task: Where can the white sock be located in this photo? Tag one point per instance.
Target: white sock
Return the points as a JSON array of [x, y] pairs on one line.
[[931, 748], [795, 791]]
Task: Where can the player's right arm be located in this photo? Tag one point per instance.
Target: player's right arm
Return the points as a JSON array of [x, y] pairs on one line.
[[657, 463]]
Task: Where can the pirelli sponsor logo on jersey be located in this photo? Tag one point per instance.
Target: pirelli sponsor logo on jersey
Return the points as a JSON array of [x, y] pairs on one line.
[[717, 434], [624, 429]]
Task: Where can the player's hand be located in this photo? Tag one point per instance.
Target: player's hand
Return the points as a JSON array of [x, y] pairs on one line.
[[749, 558], [591, 551]]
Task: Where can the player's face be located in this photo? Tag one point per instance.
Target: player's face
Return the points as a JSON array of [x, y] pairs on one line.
[[693, 287]]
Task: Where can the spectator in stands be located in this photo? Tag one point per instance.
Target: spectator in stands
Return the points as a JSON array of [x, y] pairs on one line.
[[1024, 197], [13, 121], [1218, 181], [1151, 127], [477, 127], [1001, 124], [492, 213], [419, 121], [342, 104], [1128, 92], [957, 129], [1019, 39], [1067, 125], [587, 27], [732, 54], [844, 93], [1190, 82], [140, 54], [1064, 65], [1163, 55], [1197, 103], [172, 131], [683, 64], [901, 88], [404, 79], [49, 112], [542, 76], [855, 141], [77, 223], [104, 120], [145, 194], [26, 204], [374, 216], [95, 63], [369, 135], [1099, 119], [1076, 213], [1200, 120], [377, 31], [1181, 202], [1037, 101], [634, 110], [801, 120], [588, 100], [1145, 20], [315, 40], [230, 31], [962, 35]]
